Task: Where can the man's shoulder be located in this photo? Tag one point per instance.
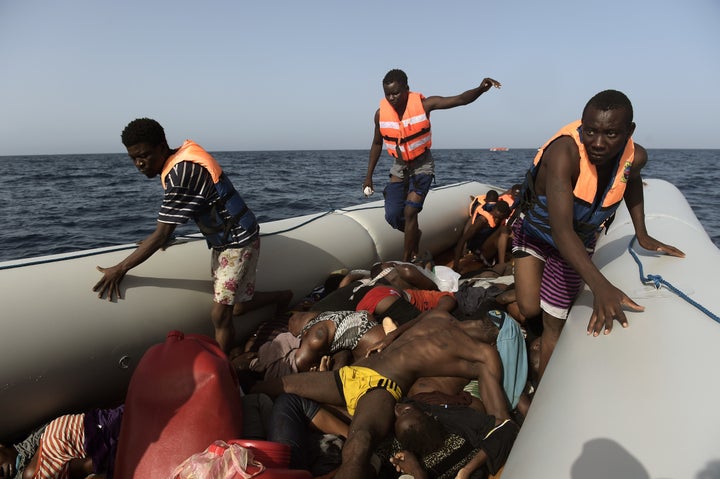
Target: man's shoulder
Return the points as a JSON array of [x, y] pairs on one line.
[[187, 171]]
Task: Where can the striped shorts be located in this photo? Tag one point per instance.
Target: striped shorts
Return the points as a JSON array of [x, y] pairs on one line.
[[62, 441], [560, 283]]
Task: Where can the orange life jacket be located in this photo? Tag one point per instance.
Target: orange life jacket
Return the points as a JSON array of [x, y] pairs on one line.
[[409, 136], [586, 185], [507, 198], [591, 209], [479, 210], [191, 151]]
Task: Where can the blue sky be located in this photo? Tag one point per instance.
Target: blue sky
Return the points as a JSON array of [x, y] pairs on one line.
[[291, 74]]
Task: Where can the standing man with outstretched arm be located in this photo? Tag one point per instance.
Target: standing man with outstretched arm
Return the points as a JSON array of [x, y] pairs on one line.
[[402, 125], [576, 183], [196, 188]]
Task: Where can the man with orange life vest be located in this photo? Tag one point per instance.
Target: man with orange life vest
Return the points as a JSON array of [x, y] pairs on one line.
[[196, 188], [402, 125], [500, 243], [576, 183], [479, 227]]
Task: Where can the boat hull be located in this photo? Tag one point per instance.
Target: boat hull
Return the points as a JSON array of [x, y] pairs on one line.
[[634, 404]]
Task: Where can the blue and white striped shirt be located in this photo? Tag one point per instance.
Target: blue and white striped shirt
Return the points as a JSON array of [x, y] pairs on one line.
[[190, 192]]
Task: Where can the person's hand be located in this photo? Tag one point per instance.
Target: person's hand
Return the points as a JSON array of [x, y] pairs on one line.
[[488, 83], [326, 364], [368, 183], [407, 463], [608, 302], [463, 474], [651, 244], [109, 284], [380, 345]]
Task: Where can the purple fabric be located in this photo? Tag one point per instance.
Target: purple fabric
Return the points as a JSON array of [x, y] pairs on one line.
[[102, 430]]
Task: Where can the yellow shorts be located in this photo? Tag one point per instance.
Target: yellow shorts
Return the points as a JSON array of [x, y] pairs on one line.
[[355, 381]]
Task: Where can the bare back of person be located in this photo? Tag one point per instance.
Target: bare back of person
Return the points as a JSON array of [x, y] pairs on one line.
[[438, 345]]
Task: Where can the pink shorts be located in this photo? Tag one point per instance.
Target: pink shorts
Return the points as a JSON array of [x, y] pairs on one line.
[[233, 273]]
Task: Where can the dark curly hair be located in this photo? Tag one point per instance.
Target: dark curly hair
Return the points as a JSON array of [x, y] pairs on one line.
[[424, 437], [143, 130], [395, 75], [610, 100]]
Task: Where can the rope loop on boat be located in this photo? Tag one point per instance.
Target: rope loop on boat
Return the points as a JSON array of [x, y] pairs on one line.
[[658, 281]]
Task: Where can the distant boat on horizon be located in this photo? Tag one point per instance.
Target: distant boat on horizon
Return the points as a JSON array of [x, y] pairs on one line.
[[499, 148]]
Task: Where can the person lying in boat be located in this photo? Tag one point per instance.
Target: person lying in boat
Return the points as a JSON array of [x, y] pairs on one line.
[[196, 188], [314, 432], [478, 230], [301, 423], [397, 273], [314, 340], [348, 296], [443, 277], [71, 446], [571, 192], [332, 332], [438, 345], [449, 441], [397, 306]]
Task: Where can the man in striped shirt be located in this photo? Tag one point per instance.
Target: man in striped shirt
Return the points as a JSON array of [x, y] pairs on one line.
[[196, 188]]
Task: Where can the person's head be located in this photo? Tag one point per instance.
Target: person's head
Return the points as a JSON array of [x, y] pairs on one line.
[[607, 125], [145, 142], [417, 431], [491, 196], [396, 89], [482, 323], [8, 456], [516, 190], [501, 210]]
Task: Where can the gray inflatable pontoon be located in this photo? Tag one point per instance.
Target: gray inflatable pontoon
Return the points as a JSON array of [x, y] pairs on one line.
[[640, 402]]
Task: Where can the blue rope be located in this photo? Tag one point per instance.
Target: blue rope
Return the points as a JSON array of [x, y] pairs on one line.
[[658, 281]]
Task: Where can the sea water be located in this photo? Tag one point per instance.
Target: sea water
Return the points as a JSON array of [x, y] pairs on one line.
[[62, 203]]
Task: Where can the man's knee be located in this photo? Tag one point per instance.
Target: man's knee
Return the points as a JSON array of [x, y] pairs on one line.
[[395, 218], [528, 308], [221, 315], [394, 194], [552, 326]]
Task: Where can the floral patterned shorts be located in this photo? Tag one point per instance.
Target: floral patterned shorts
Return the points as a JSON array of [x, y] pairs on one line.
[[233, 273]]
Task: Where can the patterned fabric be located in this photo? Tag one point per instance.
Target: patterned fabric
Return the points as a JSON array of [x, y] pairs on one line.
[[26, 450], [350, 326], [233, 273], [450, 458], [62, 441]]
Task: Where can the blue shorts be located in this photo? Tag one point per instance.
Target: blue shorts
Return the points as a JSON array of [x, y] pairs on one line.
[[396, 193]]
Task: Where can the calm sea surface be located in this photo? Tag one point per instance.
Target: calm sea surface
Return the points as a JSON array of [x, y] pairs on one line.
[[61, 203]]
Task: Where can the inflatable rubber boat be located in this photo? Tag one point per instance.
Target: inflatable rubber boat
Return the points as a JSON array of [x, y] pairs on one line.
[[64, 349], [638, 403]]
